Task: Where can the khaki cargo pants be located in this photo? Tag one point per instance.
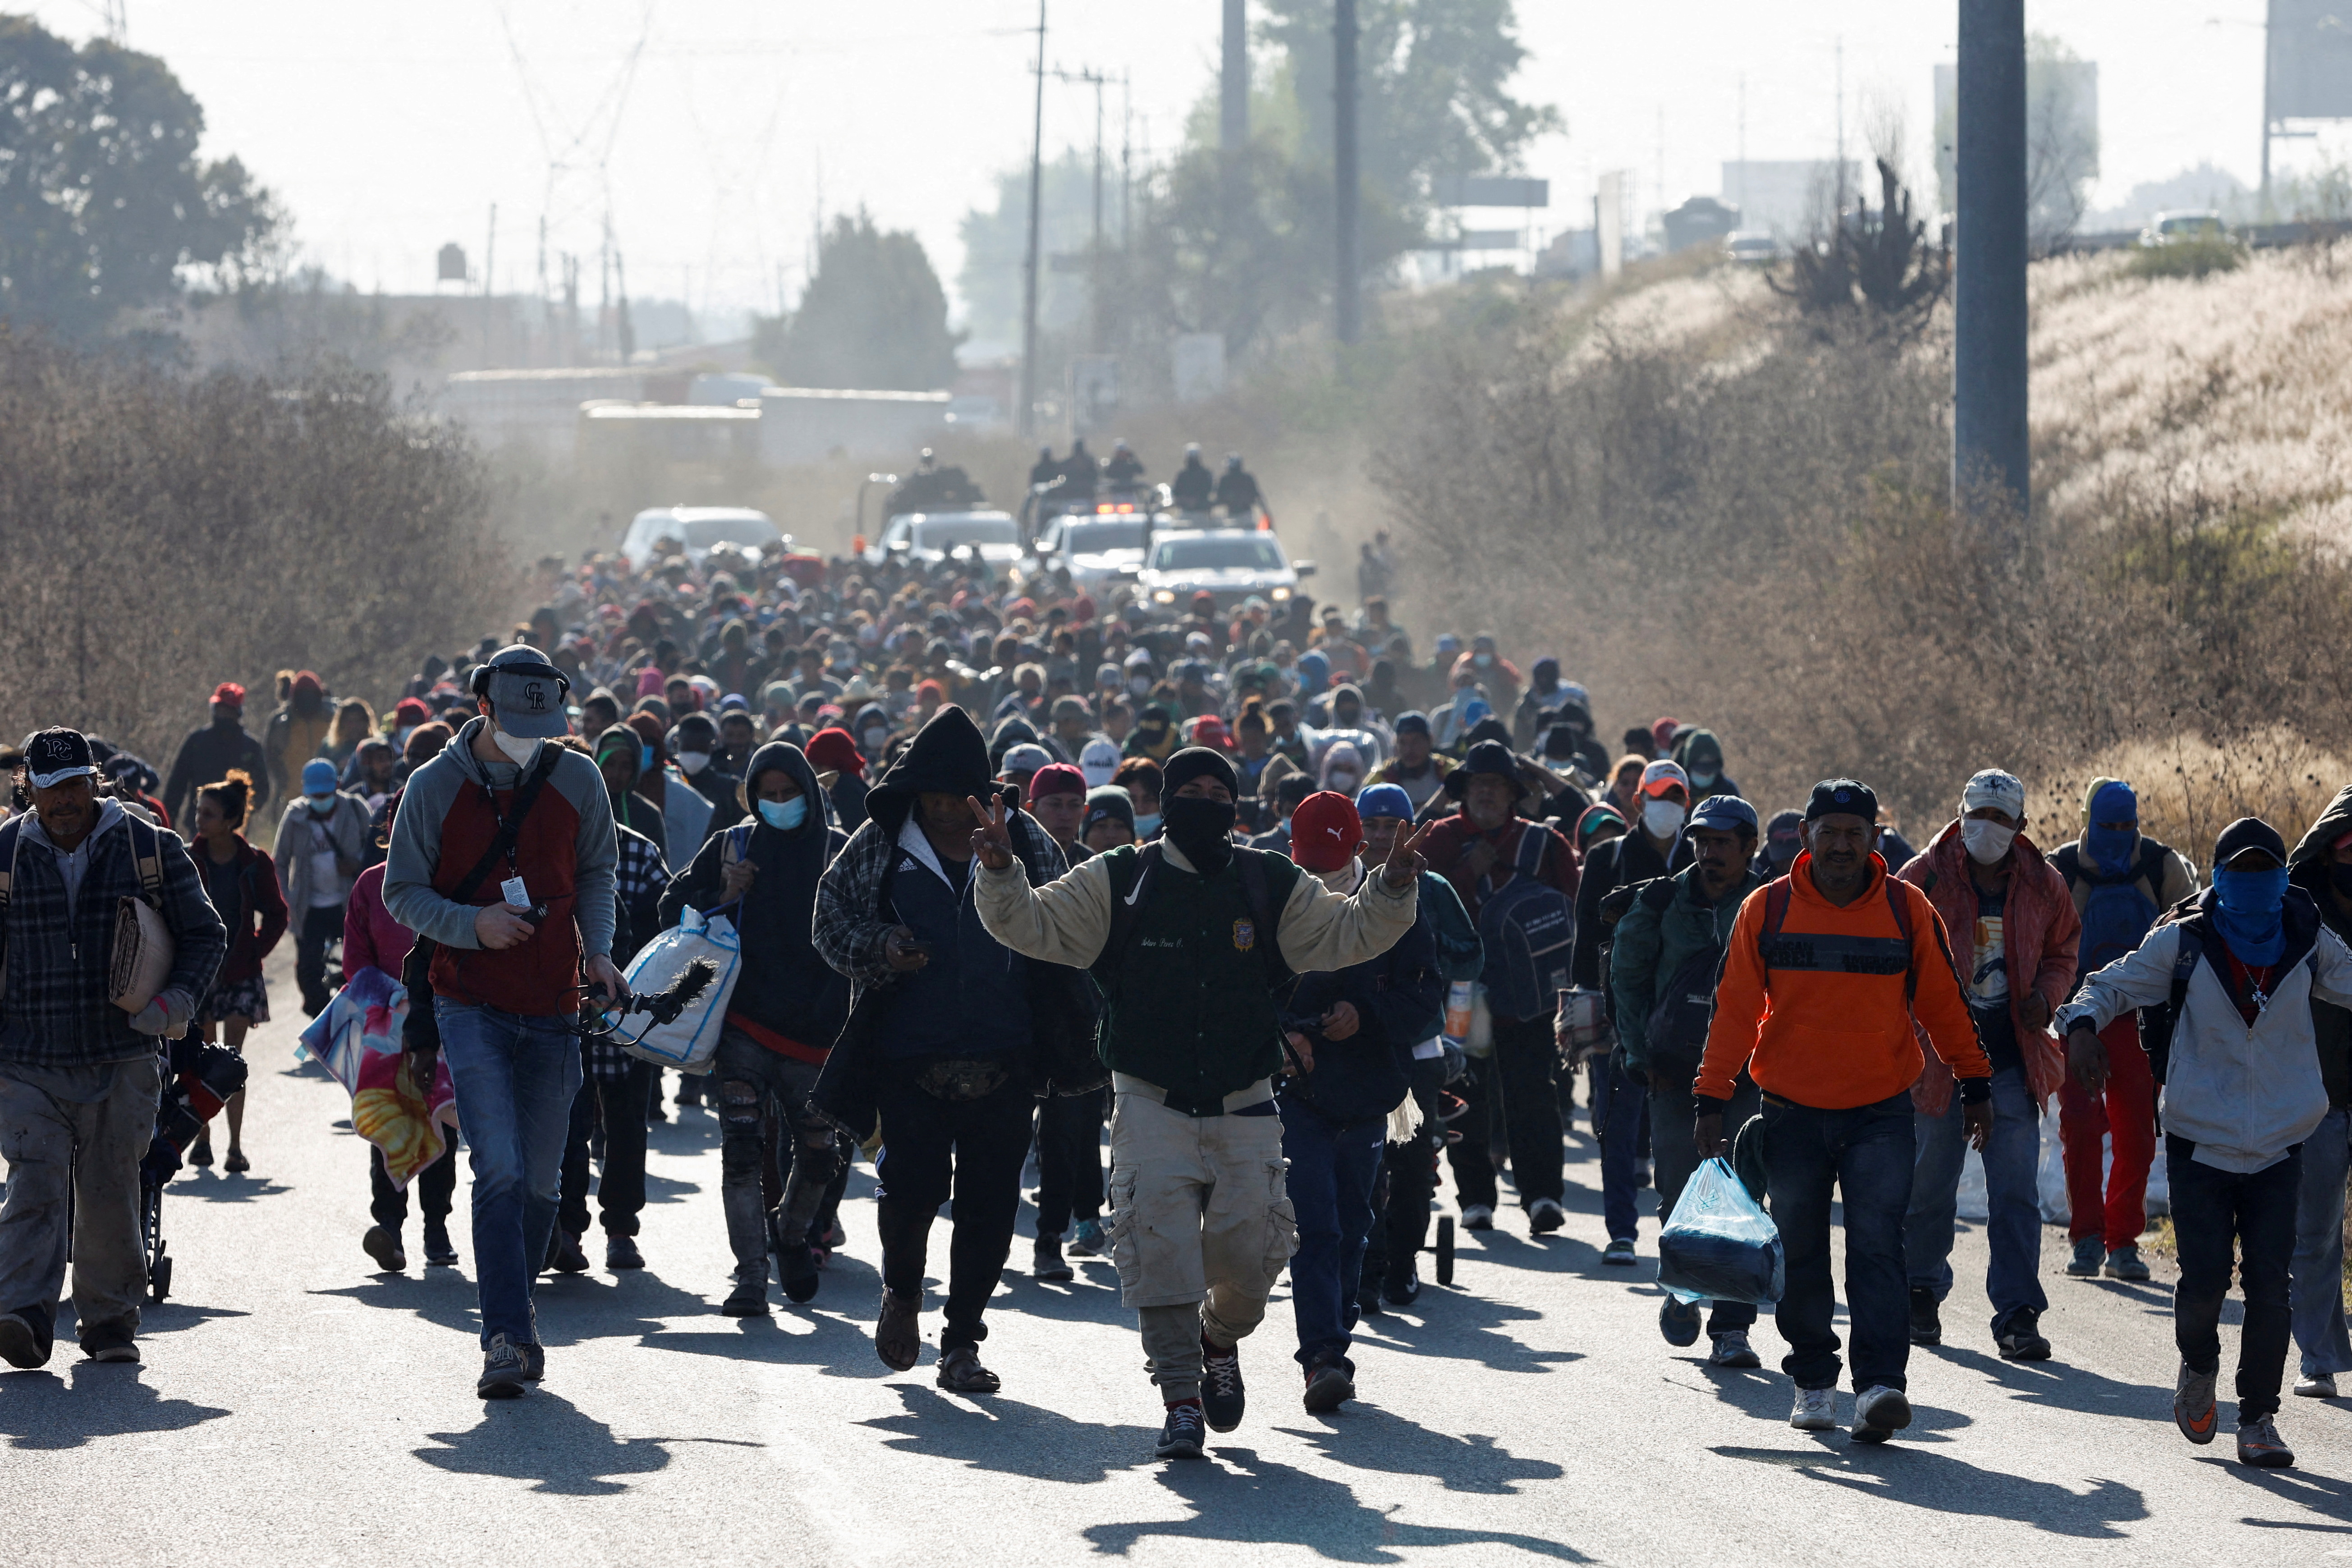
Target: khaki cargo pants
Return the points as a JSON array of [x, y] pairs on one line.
[[1201, 1223]]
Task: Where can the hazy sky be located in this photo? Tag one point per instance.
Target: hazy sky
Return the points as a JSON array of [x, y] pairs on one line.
[[708, 126]]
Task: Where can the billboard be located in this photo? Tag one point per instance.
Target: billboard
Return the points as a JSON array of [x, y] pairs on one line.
[[2310, 60], [1485, 191]]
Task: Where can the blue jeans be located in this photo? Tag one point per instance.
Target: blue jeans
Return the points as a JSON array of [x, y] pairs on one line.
[[2246, 1218], [2012, 1157], [2317, 1302], [1332, 1164], [1866, 1155], [515, 1078], [1619, 1107]]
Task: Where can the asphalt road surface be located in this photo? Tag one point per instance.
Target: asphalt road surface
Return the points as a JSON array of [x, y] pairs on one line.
[[295, 1406]]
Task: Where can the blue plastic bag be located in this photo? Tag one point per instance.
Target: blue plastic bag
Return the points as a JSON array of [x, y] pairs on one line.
[[1720, 1245]]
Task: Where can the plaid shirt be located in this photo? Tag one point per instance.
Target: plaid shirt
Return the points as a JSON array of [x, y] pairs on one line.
[[54, 1011], [852, 928], [639, 879]]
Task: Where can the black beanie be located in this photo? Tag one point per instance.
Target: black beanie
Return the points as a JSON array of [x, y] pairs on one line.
[[1196, 761]]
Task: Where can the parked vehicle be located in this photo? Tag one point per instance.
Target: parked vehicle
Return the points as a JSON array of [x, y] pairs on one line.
[[699, 529]]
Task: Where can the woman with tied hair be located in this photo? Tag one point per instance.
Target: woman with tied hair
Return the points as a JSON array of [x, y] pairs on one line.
[[242, 883], [354, 721]]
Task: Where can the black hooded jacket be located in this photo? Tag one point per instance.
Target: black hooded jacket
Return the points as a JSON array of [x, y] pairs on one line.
[[784, 985]]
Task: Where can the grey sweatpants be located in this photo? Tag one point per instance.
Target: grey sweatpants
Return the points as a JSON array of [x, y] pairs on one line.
[[89, 1127]]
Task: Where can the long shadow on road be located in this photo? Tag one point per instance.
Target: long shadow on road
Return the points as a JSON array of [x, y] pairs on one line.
[[2322, 1495], [1368, 1438], [2064, 1387], [1942, 1484], [1243, 1498], [91, 1403], [547, 1440]]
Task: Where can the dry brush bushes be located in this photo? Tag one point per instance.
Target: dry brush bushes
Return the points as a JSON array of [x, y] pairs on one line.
[[1748, 528], [165, 533]]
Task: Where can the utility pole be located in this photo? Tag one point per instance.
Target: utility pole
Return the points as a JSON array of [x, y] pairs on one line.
[[1841, 127], [1990, 443], [1027, 421], [1232, 111], [1742, 198], [2269, 125], [1349, 315], [489, 266]]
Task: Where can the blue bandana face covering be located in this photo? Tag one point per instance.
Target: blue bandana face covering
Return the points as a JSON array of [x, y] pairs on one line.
[[2111, 849], [2248, 916], [784, 814]]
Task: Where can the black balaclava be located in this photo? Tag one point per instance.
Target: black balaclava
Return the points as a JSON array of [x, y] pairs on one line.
[[1202, 829]]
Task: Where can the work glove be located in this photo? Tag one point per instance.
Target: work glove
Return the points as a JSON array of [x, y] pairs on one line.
[[166, 1016]]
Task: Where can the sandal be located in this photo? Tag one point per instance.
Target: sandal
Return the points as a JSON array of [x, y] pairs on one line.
[[961, 1373], [236, 1164]]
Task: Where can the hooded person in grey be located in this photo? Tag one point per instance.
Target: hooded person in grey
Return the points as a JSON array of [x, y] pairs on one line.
[[782, 1016], [2321, 865], [2241, 1091]]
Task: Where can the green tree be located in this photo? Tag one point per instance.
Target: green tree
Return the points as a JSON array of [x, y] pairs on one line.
[[873, 316], [104, 204], [1434, 95]]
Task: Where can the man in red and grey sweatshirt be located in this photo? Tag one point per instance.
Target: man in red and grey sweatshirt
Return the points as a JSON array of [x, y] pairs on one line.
[[511, 954]]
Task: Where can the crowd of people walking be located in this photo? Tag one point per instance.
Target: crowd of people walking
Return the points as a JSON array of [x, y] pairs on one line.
[[1309, 918]]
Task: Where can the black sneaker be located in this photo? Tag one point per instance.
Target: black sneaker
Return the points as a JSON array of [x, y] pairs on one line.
[[621, 1252], [1221, 1394], [109, 1341], [1329, 1383], [2018, 1336], [438, 1249], [25, 1337], [503, 1374], [1049, 1264], [1368, 1297], [798, 1267], [1181, 1438], [1927, 1322], [1401, 1289], [566, 1255], [534, 1362], [382, 1244]]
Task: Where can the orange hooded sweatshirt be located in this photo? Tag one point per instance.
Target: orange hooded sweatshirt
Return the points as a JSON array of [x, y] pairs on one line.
[[1826, 1025]]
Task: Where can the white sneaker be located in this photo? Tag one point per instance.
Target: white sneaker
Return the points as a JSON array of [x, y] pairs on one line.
[[2318, 1385], [1815, 1410], [1880, 1412], [1477, 1216]]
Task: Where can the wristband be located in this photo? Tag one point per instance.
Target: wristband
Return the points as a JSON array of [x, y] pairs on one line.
[[1976, 1090]]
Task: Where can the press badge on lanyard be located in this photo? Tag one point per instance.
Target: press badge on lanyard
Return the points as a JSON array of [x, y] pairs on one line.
[[516, 896]]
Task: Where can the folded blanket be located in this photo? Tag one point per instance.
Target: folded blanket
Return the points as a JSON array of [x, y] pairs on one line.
[[357, 1040]]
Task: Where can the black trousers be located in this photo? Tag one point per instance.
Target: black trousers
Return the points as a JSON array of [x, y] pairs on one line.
[[973, 1149], [1406, 1184], [317, 931], [1521, 1075], [436, 1185], [2224, 1216], [1069, 1159], [621, 1190]]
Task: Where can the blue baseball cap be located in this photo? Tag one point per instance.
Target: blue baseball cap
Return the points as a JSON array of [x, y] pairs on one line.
[[1725, 814], [1383, 800], [318, 776]]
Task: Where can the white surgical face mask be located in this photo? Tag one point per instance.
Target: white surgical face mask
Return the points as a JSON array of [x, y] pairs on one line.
[[1138, 684], [1987, 841], [1662, 818], [875, 737], [516, 747], [1703, 781], [322, 804], [693, 762], [1343, 782]]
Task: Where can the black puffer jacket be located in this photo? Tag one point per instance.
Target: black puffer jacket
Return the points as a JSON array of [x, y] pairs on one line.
[[784, 984]]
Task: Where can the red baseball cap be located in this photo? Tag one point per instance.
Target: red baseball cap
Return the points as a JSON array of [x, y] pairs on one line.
[[229, 694], [1325, 832], [1057, 778]]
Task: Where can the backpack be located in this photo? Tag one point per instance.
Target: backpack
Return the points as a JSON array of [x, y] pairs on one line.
[[1528, 928], [2156, 1024], [1834, 953], [2118, 911], [1684, 1007]]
